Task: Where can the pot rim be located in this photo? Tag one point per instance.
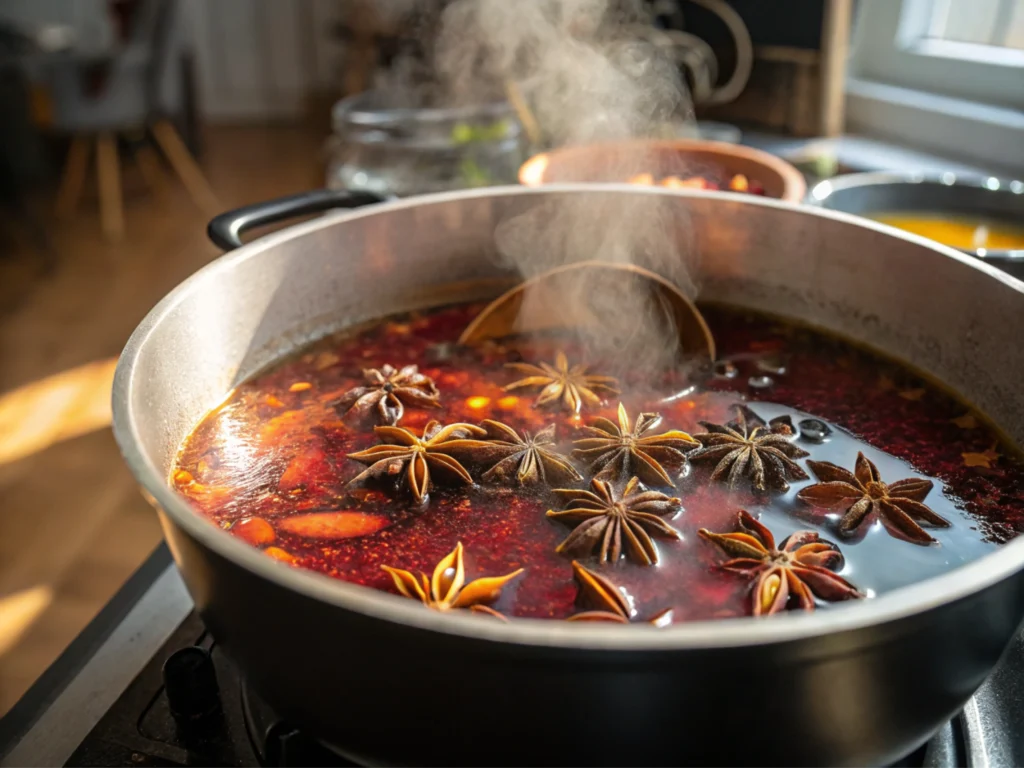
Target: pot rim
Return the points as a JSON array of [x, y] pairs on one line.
[[993, 185], [716, 633], [794, 186]]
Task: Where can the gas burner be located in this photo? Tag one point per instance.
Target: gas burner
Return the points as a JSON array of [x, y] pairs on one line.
[[276, 742], [191, 707], [182, 702]]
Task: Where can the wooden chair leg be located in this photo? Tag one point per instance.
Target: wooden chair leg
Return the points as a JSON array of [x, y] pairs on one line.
[[109, 173], [149, 166], [75, 167], [186, 168]]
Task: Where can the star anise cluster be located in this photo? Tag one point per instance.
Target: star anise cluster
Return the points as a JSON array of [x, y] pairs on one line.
[[403, 452], [386, 393], [446, 451], [786, 576], [604, 602], [621, 514], [618, 451], [447, 590], [528, 459], [571, 387], [861, 493], [608, 523], [746, 450]]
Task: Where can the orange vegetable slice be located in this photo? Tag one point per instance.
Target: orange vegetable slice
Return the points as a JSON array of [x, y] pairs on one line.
[[739, 183], [308, 468], [254, 530], [334, 525], [280, 427], [279, 554]]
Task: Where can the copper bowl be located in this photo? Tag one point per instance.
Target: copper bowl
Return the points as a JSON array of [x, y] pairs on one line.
[[621, 160]]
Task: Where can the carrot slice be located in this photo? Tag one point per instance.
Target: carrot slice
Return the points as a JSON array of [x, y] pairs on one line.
[[308, 468], [254, 530], [281, 427], [334, 525], [279, 554]]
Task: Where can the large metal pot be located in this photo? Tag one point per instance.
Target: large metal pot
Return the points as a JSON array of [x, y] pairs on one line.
[[390, 682]]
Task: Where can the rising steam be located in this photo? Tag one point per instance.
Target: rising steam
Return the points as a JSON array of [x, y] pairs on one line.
[[589, 75], [645, 230]]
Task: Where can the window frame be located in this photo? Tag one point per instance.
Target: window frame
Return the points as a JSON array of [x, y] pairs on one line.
[[962, 99]]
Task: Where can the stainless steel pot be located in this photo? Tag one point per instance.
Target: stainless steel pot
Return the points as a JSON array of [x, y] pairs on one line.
[[390, 682]]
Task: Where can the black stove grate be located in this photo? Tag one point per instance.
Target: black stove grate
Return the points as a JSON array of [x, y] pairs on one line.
[[140, 730]]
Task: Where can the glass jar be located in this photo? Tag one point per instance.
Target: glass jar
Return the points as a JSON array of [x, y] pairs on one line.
[[383, 147]]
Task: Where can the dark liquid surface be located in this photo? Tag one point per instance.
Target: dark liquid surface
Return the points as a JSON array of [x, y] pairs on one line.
[[276, 450]]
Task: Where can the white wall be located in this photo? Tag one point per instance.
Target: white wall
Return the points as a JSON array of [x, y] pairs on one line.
[[327, 52], [32, 12], [88, 18], [258, 59]]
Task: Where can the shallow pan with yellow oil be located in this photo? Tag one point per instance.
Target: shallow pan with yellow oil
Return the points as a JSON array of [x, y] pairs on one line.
[[947, 208]]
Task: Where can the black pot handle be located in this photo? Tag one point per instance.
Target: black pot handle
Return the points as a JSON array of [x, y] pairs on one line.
[[226, 230]]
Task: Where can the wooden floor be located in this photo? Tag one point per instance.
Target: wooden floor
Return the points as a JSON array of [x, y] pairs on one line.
[[73, 525]]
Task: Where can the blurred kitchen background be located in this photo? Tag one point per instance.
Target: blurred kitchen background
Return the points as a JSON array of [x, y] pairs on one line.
[[127, 124]]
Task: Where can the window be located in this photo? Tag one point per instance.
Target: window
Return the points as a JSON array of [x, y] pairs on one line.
[[947, 75], [992, 23]]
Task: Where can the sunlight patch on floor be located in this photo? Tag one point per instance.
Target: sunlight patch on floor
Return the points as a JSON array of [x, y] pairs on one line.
[[19, 611], [66, 405]]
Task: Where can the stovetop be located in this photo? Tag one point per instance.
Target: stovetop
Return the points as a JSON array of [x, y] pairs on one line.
[[222, 723], [146, 685]]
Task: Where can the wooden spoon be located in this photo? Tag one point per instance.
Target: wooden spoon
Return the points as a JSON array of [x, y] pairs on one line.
[[561, 299]]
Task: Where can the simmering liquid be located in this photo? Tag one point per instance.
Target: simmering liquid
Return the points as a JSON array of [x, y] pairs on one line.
[[272, 466], [966, 233]]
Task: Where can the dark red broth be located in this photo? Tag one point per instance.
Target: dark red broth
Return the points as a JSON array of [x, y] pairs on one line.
[[277, 449]]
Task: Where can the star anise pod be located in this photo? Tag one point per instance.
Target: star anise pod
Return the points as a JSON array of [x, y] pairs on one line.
[[802, 568], [418, 456], [603, 519], [617, 451], [749, 448], [606, 601], [526, 458], [387, 392], [573, 387], [861, 492], [446, 590]]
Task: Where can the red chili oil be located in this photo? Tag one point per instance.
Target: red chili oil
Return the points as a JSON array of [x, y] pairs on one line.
[[277, 450]]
